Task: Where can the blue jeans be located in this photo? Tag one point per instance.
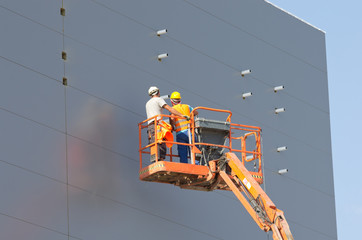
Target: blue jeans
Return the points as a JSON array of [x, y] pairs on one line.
[[183, 151]]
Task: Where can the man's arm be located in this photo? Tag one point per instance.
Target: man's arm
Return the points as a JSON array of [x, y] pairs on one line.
[[172, 110]]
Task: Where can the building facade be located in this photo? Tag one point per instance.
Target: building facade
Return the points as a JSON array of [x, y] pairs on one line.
[[74, 88]]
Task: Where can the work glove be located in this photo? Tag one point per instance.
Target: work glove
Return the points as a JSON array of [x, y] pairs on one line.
[[187, 117]]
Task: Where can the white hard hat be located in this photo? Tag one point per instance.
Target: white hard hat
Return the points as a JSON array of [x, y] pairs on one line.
[[153, 90]]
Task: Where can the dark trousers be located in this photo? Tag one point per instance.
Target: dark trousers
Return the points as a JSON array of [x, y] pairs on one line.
[[161, 148]]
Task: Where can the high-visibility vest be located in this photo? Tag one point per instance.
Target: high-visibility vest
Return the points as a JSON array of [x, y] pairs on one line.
[[164, 131], [181, 124]]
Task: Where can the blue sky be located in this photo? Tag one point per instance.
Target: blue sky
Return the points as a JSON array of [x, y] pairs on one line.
[[342, 22]]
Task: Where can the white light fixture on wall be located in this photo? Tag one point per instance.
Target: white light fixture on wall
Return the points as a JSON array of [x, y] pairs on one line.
[[165, 97], [162, 56], [248, 94], [282, 171], [161, 32], [249, 157], [279, 110], [245, 72], [281, 149], [278, 88]]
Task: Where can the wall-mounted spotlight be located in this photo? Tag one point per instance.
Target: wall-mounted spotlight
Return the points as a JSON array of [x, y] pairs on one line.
[[165, 97], [279, 110], [281, 149], [282, 171], [248, 94], [278, 88], [161, 32], [245, 72], [162, 56]]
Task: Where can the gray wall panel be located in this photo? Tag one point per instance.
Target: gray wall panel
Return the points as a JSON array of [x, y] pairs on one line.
[[31, 44], [47, 14], [86, 134], [317, 206], [114, 177], [259, 109], [33, 198], [32, 95], [301, 160], [272, 27], [89, 213], [244, 50], [102, 123], [32, 146], [308, 233], [105, 77], [12, 228]]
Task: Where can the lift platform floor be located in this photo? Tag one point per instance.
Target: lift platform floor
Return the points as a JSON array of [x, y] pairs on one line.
[[184, 175]]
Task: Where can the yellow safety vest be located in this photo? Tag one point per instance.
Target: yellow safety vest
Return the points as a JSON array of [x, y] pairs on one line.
[[181, 124]]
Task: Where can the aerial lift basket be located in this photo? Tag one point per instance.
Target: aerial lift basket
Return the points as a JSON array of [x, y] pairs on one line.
[[219, 167]]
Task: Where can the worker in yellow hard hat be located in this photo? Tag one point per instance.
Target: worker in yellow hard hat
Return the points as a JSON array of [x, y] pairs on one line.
[[181, 126], [154, 108]]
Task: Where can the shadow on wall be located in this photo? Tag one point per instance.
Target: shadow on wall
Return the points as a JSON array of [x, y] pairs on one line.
[[89, 156]]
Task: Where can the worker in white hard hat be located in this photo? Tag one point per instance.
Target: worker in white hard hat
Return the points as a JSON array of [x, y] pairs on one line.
[[181, 126], [155, 107]]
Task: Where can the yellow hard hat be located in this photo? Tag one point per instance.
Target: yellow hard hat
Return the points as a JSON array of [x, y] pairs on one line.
[[175, 95]]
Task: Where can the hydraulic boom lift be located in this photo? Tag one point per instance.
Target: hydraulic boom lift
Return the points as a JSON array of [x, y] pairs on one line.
[[219, 168]]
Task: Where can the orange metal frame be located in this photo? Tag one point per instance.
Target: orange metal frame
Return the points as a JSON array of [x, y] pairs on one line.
[[249, 131]]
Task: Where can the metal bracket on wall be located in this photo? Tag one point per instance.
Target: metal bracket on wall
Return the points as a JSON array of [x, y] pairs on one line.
[[64, 55], [62, 11]]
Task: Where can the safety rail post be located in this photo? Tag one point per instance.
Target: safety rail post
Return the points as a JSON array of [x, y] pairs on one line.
[[192, 130], [155, 138], [171, 154], [248, 131], [140, 143]]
